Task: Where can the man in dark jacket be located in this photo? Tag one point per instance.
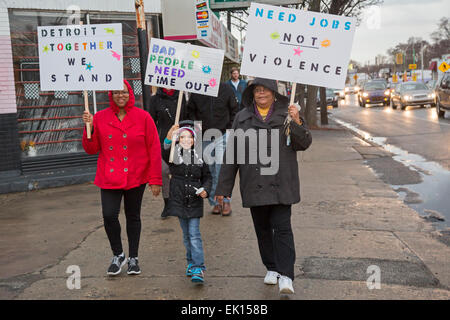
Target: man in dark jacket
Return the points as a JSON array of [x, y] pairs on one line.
[[163, 109], [215, 113], [268, 188], [238, 85]]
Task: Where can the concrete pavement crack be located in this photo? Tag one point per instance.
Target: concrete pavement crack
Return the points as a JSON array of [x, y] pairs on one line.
[[21, 282], [420, 259]]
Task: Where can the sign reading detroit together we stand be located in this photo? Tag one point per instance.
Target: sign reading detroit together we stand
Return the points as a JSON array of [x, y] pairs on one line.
[[185, 67], [298, 46], [81, 57]]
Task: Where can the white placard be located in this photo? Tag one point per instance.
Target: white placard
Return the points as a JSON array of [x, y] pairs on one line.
[[298, 46], [186, 67], [81, 57]]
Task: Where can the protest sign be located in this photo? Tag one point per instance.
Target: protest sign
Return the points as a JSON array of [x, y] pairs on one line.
[[81, 57], [184, 67], [298, 46]]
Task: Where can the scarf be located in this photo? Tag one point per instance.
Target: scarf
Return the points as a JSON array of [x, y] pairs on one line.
[[258, 114]]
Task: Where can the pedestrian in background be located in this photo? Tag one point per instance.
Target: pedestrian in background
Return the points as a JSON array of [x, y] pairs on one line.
[[269, 196], [238, 85], [215, 113], [163, 109], [191, 183], [126, 139]]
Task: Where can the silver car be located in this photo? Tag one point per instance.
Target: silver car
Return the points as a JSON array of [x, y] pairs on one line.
[[412, 94]]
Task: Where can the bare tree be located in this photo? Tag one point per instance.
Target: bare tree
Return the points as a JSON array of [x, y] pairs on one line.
[[353, 8]]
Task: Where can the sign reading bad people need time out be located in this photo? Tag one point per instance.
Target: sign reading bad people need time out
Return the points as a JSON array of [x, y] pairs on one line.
[[81, 57], [186, 67], [298, 46]]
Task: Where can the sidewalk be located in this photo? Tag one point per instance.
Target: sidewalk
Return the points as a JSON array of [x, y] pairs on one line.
[[347, 221]]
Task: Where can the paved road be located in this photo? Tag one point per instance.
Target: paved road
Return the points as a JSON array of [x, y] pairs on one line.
[[420, 144], [416, 130]]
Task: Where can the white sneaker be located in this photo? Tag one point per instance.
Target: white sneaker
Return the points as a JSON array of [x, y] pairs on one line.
[[271, 277], [285, 285]]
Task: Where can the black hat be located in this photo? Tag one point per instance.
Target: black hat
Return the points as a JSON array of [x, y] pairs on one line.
[[270, 84]]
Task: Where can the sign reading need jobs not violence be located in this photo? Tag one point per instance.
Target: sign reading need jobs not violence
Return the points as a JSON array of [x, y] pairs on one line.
[[186, 67], [81, 57], [298, 46]]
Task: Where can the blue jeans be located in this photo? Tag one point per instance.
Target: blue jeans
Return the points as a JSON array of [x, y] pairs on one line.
[[193, 242], [218, 149]]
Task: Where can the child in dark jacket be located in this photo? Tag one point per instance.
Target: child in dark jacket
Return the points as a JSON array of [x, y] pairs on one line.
[[190, 184]]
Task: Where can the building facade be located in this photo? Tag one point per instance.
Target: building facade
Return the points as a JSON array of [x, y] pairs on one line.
[[40, 132]]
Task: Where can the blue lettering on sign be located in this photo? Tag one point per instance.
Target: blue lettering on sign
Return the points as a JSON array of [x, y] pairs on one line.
[[291, 17], [163, 50], [259, 12], [270, 14], [325, 23]]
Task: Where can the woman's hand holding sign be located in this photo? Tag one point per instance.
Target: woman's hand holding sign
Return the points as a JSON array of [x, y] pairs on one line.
[[88, 119], [294, 113]]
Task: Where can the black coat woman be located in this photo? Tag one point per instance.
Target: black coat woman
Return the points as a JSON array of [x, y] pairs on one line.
[[268, 189]]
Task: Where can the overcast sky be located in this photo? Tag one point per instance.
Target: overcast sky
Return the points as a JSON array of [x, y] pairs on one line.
[[399, 20]]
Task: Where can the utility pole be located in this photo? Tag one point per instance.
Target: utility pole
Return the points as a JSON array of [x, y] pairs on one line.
[[421, 59], [143, 49], [311, 104]]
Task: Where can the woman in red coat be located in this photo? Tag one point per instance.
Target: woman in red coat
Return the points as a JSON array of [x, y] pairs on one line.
[[129, 157]]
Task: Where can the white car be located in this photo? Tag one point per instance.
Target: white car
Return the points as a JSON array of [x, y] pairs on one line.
[[412, 94]]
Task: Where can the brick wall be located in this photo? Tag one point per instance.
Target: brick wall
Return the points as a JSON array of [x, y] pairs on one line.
[[10, 152], [7, 90]]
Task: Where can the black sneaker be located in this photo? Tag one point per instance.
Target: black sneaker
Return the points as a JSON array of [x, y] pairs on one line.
[[165, 212], [133, 267], [116, 265]]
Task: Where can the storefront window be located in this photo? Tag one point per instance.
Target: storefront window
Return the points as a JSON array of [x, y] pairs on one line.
[[50, 122]]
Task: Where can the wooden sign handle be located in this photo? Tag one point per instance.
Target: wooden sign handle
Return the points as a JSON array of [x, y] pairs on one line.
[[86, 108], [294, 87], [177, 118]]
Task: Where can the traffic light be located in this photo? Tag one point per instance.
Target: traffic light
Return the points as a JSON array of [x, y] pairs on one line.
[[399, 58]]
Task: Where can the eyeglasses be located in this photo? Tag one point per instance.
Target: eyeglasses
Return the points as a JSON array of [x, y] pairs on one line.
[[118, 93], [260, 90]]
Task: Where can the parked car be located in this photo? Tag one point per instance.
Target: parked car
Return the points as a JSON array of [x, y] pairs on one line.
[[431, 84], [332, 98], [373, 92], [349, 89], [412, 94], [340, 94], [381, 80], [442, 99]]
